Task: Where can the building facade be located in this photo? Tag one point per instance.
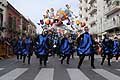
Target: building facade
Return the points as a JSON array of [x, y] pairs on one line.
[[112, 16], [92, 14], [31, 28], [25, 23], [103, 15], [3, 4], [83, 10], [13, 20]]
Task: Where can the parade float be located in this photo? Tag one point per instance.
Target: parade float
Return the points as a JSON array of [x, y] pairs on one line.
[[61, 21]]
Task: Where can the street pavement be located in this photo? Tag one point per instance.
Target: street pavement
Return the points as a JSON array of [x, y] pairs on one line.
[[11, 69]]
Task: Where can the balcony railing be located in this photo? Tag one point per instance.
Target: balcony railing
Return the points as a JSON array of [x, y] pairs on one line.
[[113, 7], [92, 9], [91, 1], [110, 24], [92, 20]]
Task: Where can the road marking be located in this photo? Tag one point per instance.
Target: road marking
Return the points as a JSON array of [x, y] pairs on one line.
[[45, 74], [106, 74], [76, 74], [1, 68], [12, 75], [118, 69]]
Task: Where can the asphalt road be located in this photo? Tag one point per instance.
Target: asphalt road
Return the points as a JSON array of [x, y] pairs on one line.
[[11, 69]]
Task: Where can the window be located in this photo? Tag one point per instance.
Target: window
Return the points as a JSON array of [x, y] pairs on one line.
[[86, 9], [1, 18], [80, 15], [80, 8], [80, 1], [86, 18], [14, 23], [10, 19], [86, 1]]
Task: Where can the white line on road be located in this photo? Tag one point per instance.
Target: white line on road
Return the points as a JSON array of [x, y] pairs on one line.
[[13, 74], [76, 74], [118, 69], [1, 68], [45, 74], [106, 74]]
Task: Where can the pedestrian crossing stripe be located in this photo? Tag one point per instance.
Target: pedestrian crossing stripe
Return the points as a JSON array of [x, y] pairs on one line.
[[45, 74], [48, 74], [12, 75], [1, 69], [118, 69], [106, 74], [76, 74]]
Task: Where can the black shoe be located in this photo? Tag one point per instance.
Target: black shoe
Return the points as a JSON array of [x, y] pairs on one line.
[[67, 62], [28, 62], [109, 64], [102, 64], [93, 67], [61, 62], [78, 67], [40, 64], [45, 65]]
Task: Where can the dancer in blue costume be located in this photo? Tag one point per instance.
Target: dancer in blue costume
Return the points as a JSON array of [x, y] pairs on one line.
[[18, 49], [27, 48], [65, 49], [107, 45], [42, 48], [85, 47], [116, 48]]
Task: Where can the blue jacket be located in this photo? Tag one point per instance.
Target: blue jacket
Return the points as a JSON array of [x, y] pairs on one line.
[[65, 46], [41, 45], [116, 49], [107, 46], [26, 46], [85, 44], [19, 47]]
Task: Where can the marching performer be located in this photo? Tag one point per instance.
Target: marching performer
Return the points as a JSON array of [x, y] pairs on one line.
[[65, 49], [27, 48], [116, 48], [41, 48], [107, 45], [85, 47], [18, 49]]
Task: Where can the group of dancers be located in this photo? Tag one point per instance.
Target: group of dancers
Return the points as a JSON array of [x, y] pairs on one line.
[[48, 44]]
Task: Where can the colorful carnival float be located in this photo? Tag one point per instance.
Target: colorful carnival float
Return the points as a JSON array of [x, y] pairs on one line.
[[62, 20]]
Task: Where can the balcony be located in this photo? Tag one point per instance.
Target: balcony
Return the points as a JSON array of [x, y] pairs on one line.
[[92, 20], [91, 1], [92, 9], [110, 24], [114, 7]]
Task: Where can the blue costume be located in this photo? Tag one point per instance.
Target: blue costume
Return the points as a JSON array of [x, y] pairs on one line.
[[116, 49], [65, 50], [19, 47], [107, 46], [85, 46], [42, 45], [65, 46], [27, 45]]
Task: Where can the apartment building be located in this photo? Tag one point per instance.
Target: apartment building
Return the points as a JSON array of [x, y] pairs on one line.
[[103, 15], [112, 16]]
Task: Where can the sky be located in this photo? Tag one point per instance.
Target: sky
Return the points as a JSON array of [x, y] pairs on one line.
[[34, 9]]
